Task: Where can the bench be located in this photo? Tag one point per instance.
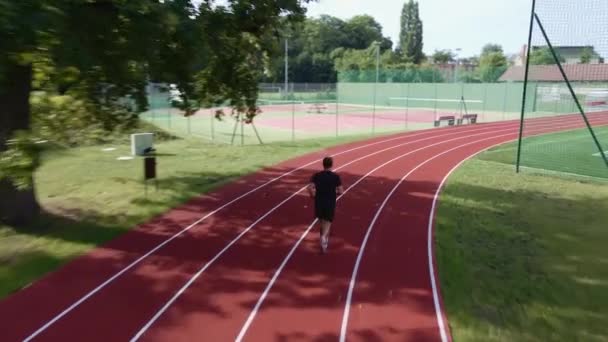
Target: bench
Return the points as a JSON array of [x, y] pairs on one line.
[[317, 108], [449, 118], [471, 118]]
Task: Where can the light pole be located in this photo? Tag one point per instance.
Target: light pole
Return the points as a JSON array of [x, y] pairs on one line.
[[286, 67], [376, 86], [457, 61]]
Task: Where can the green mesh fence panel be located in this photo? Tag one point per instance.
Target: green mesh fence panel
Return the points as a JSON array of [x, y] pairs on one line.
[[569, 45]]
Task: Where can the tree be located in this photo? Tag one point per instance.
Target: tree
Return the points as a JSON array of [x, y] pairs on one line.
[[312, 42], [363, 30], [443, 56], [587, 55], [543, 56], [492, 63], [113, 48], [491, 48], [410, 43]]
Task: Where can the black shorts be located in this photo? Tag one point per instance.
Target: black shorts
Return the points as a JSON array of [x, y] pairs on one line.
[[325, 213]]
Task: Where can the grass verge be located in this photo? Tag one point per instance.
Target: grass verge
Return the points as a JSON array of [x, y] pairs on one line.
[[90, 197], [523, 257]]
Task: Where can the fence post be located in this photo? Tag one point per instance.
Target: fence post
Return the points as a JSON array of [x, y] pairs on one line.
[[504, 101], [485, 99], [242, 130], [293, 120], [407, 104], [337, 109], [212, 126]]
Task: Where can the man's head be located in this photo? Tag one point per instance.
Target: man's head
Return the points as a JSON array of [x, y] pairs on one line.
[[328, 163]]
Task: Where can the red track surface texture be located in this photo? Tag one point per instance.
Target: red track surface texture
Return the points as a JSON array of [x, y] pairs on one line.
[[243, 262]]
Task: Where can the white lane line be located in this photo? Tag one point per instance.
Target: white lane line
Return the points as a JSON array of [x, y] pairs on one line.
[[293, 249], [176, 235], [368, 233], [159, 246], [432, 271], [217, 256]]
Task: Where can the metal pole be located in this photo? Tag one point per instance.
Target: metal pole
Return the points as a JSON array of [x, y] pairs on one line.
[[375, 87], [407, 104], [485, 99], [286, 67], [337, 109], [212, 116], [242, 130], [572, 93], [526, 74]]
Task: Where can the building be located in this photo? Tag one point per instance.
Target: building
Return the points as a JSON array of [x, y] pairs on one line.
[[571, 54], [551, 73]]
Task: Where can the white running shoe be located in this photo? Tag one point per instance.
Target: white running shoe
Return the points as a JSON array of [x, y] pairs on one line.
[[324, 243]]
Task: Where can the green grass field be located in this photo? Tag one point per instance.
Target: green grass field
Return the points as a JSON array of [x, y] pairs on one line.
[[523, 257], [567, 152], [90, 197]]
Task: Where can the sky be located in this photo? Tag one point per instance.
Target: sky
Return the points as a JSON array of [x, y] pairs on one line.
[[447, 24]]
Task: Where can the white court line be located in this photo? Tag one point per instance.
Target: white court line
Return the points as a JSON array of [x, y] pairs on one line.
[[371, 226], [599, 154], [235, 240], [159, 246], [288, 257], [433, 100]]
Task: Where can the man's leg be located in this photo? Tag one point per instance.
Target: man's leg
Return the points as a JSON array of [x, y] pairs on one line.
[[325, 229]]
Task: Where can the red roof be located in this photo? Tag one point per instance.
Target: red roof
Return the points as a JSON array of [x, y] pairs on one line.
[[551, 73]]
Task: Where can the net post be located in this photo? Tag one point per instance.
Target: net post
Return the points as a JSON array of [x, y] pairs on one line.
[[523, 101], [572, 93]]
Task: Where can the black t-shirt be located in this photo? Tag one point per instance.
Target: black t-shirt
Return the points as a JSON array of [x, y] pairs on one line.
[[326, 183]]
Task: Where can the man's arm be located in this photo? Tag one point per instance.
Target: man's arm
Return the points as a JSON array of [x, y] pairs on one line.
[[312, 190], [340, 190]]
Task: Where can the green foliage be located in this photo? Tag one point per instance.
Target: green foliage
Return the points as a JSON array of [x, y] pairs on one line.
[[411, 32], [491, 66], [317, 42], [587, 55], [443, 56], [543, 56], [20, 160], [491, 48], [492, 63]]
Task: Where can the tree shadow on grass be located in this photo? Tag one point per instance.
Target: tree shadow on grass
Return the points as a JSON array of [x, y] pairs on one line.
[[524, 262], [493, 270]]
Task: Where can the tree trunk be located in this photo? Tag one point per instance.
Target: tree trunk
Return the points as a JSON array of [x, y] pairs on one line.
[[17, 207]]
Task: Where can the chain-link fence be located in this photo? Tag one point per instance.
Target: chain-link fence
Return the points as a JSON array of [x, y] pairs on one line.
[[567, 79], [308, 110]]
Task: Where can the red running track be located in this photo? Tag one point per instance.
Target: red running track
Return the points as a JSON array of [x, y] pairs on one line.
[[239, 263]]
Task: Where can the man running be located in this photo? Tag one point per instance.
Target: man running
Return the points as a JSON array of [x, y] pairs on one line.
[[324, 188]]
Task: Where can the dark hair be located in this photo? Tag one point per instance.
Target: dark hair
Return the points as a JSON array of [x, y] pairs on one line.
[[328, 162]]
